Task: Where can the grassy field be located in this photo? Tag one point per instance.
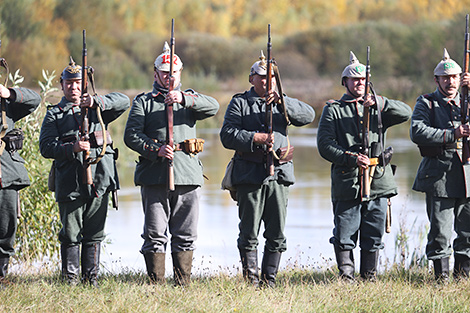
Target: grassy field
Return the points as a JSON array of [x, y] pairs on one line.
[[297, 291]]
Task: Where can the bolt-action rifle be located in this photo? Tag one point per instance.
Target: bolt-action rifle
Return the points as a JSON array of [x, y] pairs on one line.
[[365, 175], [169, 110], [464, 98], [269, 105], [85, 124]]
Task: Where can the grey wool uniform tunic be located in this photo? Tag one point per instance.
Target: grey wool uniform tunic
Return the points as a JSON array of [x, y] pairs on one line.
[[261, 197], [442, 176], [14, 174], [145, 133], [77, 201], [339, 141]]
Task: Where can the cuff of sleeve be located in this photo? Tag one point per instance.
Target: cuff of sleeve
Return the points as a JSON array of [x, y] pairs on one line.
[[152, 149], [351, 158]]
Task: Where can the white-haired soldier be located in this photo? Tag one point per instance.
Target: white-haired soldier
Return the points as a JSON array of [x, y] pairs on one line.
[[339, 141], [437, 130], [168, 213], [261, 198]]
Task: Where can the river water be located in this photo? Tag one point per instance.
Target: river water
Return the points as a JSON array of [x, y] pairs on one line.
[[309, 220]]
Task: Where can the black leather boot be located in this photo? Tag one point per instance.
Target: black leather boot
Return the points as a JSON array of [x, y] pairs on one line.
[[441, 269], [345, 261], [4, 260], [90, 263], [182, 263], [249, 260], [461, 266], [368, 267], [155, 263], [269, 268], [70, 255]]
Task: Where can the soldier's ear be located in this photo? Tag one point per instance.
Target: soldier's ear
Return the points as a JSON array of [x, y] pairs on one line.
[[250, 79]]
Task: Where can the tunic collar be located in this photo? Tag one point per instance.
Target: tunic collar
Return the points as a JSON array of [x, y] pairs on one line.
[[157, 89], [443, 99]]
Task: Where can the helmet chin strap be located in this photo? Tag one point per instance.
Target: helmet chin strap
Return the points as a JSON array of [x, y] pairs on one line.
[[442, 90]]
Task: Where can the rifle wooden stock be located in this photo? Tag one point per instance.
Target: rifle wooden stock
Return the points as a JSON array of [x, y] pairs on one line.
[[365, 176], [84, 133], [269, 106], [464, 98], [169, 111]]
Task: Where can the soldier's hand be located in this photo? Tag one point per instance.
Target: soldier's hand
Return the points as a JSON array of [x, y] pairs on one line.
[[462, 131], [272, 97], [362, 161], [81, 145], [174, 96], [465, 79], [4, 92], [264, 139], [166, 151], [86, 101], [369, 101]]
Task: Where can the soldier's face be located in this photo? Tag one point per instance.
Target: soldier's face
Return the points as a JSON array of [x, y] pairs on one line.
[[355, 87], [72, 89], [448, 85], [162, 78], [259, 84]]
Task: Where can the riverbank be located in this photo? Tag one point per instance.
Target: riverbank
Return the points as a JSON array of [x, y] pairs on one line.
[[297, 291]]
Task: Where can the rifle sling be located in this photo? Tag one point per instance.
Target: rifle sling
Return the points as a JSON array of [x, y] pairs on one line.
[[91, 80], [283, 110]]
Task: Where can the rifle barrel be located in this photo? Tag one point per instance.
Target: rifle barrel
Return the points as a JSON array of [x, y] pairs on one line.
[[464, 97], [269, 106], [169, 110], [365, 135], [87, 175]]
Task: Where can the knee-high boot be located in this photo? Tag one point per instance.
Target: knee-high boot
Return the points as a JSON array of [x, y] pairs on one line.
[[345, 261], [90, 263], [4, 261], [441, 269], [368, 267], [155, 263], [269, 267], [249, 260], [70, 255], [182, 263], [461, 266]]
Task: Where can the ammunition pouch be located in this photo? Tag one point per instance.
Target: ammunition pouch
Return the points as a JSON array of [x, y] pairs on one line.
[[193, 146], [14, 139], [96, 139]]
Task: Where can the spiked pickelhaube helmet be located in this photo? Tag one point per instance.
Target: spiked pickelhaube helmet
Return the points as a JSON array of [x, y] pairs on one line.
[[260, 67], [447, 66], [162, 62], [355, 69], [72, 71]]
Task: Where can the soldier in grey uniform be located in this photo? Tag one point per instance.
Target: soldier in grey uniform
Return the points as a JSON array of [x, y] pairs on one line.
[[437, 130], [19, 102], [168, 212], [83, 207], [260, 197], [339, 141]]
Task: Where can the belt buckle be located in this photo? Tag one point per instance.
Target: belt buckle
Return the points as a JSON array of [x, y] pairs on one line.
[[459, 145]]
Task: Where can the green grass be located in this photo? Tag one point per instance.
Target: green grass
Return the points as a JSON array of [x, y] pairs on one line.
[[297, 291]]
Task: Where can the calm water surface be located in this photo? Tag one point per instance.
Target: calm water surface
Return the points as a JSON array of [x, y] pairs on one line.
[[309, 220]]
